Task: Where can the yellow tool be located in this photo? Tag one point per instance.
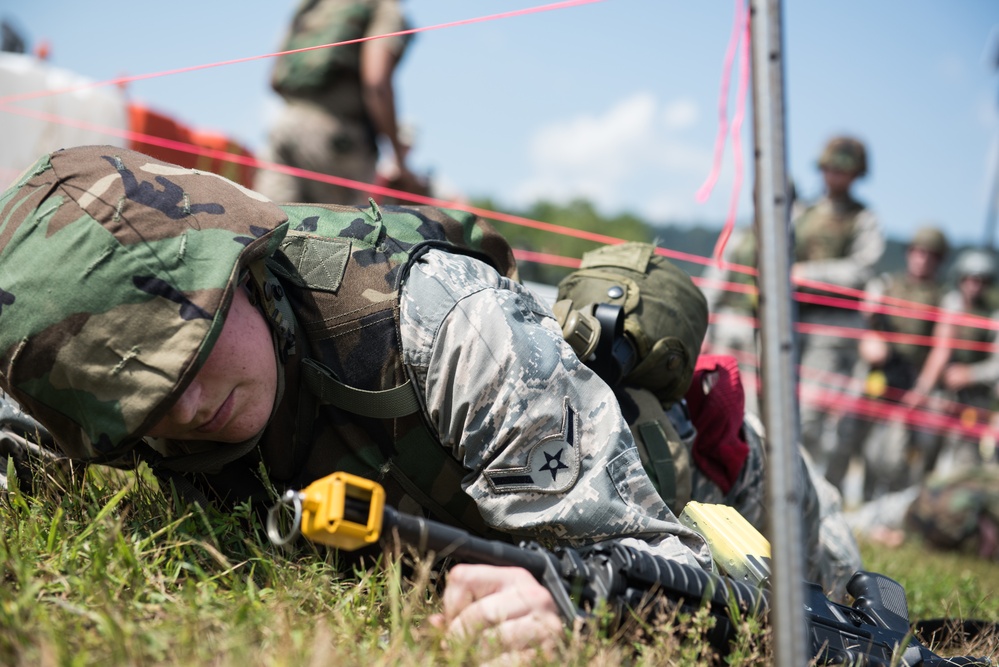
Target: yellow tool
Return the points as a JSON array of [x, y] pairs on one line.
[[342, 510], [738, 549]]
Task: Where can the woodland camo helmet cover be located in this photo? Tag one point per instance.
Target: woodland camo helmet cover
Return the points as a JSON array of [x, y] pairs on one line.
[[116, 272]]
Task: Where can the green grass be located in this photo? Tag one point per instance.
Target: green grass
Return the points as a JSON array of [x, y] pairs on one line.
[[102, 569], [939, 583]]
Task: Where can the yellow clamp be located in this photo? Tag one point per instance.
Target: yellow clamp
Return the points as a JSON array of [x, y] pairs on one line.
[[320, 512]]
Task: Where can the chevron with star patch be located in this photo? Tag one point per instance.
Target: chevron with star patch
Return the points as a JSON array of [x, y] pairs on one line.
[[552, 463]]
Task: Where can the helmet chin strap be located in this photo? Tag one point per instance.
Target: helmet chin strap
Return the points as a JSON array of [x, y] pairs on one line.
[[596, 333], [268, 295]]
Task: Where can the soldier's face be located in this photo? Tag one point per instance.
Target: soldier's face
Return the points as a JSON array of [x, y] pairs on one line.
[[921, 263], [971, 287], [837, 181], [231, 397]]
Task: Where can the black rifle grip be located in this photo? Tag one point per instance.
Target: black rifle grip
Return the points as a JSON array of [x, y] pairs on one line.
[[881, 597]]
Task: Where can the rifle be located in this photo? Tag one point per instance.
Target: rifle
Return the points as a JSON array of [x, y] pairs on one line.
[[349, 512]]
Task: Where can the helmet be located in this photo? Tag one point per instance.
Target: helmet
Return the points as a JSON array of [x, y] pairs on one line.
[[844, 154], [116, 273], [665, 314], [930, 239], [976, 262]]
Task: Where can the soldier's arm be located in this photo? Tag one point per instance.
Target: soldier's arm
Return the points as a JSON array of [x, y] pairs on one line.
[[872, 346], [379, 58], [549, 454], [936, 361], [958, 376]]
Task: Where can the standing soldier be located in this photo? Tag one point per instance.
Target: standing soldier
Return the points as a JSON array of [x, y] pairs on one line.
[[972, 395], [837, 242], [732, 300], [891, 367], [338, 101], [730, 290]]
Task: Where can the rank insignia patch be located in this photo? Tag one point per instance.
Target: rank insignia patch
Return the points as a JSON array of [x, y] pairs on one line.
[[552, 464]]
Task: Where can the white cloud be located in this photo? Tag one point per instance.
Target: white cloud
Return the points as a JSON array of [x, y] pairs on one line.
[[681, 114], [641, 155], [603, 143]]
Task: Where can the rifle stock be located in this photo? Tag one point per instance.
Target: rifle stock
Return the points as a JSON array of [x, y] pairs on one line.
[[626, 580]]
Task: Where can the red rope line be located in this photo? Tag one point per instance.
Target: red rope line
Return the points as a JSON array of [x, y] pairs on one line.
[[813, 391], [915, 310], [740, 37], [839, 396], [908, 309], [565, 4], [857, 333]]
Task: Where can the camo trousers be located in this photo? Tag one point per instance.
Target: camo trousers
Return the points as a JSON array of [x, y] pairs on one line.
[[307, 136]]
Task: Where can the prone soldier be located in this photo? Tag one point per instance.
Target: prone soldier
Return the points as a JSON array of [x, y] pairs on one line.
[[197, 326]]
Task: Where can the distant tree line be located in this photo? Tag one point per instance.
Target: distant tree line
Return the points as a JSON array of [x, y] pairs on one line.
[[693, 238]]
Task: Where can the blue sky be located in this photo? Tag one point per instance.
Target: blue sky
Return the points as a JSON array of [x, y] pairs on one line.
[[614, 101]]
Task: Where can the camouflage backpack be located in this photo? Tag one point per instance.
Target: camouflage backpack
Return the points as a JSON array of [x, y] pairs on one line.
[[318, 22], [664, 315]]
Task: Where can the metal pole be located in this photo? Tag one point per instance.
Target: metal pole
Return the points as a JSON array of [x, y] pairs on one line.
[[777, 353], [993, 201]]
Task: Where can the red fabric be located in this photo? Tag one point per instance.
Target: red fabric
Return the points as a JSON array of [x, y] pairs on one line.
[[719, 450]]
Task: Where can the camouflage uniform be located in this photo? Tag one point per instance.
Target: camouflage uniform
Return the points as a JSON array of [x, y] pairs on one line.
[[975, 402], [325, 126], [518, 423], [547, 449], [837, 241], [886, 446], [831, 551], [958, 511], [949, 512]]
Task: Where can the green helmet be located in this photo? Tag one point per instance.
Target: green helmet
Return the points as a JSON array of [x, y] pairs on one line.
[[975, 262], [845, 154], [930, 239], [116, 272], [665, 314]]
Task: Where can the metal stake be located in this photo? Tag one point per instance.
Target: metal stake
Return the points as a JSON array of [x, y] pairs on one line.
[[777, 353]]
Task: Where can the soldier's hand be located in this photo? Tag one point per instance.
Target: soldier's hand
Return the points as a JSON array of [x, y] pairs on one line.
[[504, 606], [873, 348], [956, 376], [915, 399]]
